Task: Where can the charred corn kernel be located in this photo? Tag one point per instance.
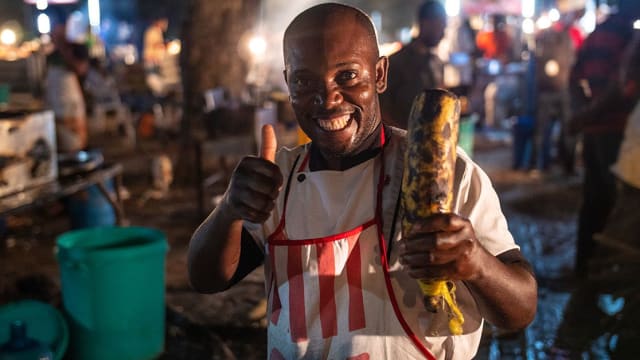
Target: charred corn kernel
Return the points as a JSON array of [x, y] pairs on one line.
[[427, 184]]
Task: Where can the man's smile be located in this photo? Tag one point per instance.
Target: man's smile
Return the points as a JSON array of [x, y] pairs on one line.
[[335, 123]]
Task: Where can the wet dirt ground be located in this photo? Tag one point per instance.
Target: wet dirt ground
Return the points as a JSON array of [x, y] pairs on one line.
[[541, 211]]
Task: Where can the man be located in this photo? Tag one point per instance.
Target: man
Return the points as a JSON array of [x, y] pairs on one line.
[[154, 44], [341, 282], [614, 270], [500, 89], [416, 66], [67, 65], [554, 56], [154, 54], [601, 114], [623, 225]]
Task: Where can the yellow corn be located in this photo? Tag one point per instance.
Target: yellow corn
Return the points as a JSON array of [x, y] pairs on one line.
[[427, 185]]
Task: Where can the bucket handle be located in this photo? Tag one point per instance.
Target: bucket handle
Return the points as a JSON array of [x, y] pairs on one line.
[[70, 262]]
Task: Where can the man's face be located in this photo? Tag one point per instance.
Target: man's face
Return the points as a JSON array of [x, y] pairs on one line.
[[334, 78], [432, 30]]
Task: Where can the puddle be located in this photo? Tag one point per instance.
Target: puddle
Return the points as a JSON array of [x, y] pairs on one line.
[[573, 321]]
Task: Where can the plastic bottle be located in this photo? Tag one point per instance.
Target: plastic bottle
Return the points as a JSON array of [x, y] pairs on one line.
[[22, 347]]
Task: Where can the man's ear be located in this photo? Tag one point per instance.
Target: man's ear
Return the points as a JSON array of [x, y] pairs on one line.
[[382, 68]]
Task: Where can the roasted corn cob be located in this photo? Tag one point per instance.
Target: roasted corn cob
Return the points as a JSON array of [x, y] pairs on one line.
[[427, 184]]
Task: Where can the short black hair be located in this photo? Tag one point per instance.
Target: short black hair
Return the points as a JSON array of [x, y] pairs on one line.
[[431, 9], [315, 16]]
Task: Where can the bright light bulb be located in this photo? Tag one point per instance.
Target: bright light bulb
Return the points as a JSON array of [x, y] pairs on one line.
[[94, 13], [42, 4], [452, 7], [8, 37], [528, 8], [543, 22], [257, 45], [174, 47], [528, 26], [44, 25], [554, 15], [552, 68], [636, 24], [129, 59]]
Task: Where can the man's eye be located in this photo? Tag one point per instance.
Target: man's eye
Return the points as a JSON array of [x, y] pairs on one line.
[[347, 76], [301, 82]]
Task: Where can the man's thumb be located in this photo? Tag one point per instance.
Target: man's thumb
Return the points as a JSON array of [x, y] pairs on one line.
[[269, 143]]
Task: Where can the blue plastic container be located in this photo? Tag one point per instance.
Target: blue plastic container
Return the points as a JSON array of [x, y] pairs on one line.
[[523, 141], [90, 208]]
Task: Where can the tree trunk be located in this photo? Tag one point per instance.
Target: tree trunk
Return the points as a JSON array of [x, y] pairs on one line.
[[212, 37]]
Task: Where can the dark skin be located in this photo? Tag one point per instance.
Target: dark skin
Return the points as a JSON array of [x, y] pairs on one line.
[[334, 81]]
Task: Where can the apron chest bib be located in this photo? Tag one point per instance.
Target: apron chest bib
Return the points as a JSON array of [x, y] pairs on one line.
[[329, 288]]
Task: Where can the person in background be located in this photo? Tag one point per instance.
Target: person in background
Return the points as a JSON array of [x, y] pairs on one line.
[[600, 115], [154, 53], [108, 113], [613, 273], [499, 89], [555, 54], [496, 43], [66, 67], [568, 142], [320, 216], [416, 66], [623, 225]]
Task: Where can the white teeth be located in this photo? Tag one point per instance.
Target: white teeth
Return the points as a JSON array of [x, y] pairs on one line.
[[334, 124]]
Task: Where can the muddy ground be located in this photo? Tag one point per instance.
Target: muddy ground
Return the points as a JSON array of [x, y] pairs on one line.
[[541, 211]]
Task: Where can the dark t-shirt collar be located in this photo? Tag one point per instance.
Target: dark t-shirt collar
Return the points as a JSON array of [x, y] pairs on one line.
[[317, 162]]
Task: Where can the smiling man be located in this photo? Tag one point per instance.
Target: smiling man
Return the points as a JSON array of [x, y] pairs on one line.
[[324, 220]]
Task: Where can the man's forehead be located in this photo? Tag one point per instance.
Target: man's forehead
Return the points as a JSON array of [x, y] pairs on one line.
[[334, 44], [304, 38], [328, 33], [331, 26]]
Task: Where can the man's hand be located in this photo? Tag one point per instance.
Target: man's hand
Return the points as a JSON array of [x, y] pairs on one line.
[[255, 183], [444, 247]]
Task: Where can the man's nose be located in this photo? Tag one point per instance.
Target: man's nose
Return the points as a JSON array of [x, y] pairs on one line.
[[328, 98]]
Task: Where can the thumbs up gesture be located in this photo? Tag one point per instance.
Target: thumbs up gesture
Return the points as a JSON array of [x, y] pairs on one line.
[[269, 144], [255, 182]]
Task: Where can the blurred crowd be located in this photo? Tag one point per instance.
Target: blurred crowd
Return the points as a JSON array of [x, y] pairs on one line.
[[93, 91]]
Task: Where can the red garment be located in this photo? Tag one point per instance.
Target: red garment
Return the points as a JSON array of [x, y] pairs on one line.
[[598, 62], [494, 44], [577, 37]]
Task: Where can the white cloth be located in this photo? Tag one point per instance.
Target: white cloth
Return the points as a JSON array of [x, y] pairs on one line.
[[64, 94], [627, 168], [326, 203], [64, 97]]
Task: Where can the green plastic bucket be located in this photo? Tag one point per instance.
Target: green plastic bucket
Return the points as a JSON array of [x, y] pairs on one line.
[[113, 291], [5, 91], [44, 323]]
